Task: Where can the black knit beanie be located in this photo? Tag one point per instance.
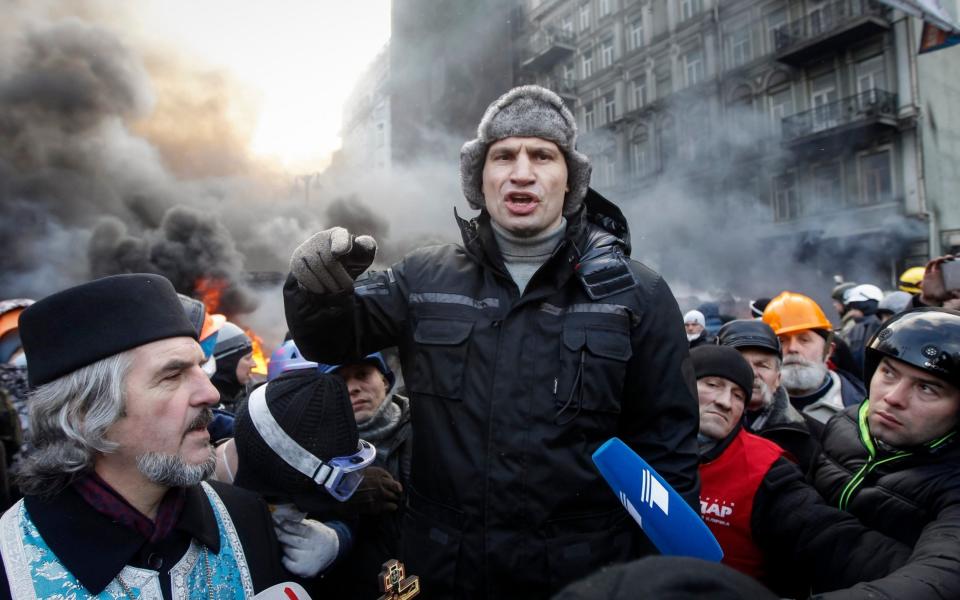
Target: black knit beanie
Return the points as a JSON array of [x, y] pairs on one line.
[[726, 362], [314, 410], [81, 325]]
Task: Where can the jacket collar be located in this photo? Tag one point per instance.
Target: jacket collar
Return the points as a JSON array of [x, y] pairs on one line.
[[95, 548]]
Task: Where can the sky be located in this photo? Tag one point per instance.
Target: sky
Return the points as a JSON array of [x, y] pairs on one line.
[[297, 59]]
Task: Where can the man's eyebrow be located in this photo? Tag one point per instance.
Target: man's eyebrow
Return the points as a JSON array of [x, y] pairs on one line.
[[174, 365]]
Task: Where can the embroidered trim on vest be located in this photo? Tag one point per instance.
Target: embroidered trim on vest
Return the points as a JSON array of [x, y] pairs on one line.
[[231, 574]]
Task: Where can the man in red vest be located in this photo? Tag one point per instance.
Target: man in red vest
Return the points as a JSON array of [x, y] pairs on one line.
[[770, 523]]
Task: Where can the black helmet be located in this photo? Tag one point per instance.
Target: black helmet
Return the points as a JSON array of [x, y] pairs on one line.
[[927, 338], [749, 333]]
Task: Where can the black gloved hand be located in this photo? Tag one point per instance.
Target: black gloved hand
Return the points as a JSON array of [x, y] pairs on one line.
[[378, 493]]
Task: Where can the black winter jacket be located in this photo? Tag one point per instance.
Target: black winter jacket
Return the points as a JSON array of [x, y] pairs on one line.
[[510, 395], [782, 424], [912, 495]]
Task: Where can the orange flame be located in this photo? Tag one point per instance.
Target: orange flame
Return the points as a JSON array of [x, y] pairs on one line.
[[210, 291], [259, 361]]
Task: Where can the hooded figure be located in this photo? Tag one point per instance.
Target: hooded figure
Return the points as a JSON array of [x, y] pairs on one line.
[[233, 354]]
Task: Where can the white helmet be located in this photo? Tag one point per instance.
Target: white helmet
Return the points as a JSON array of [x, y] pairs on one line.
[[862, 293]]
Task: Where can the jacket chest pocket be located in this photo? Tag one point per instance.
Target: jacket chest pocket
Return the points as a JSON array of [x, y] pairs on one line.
[[440, 357], [594, 368]]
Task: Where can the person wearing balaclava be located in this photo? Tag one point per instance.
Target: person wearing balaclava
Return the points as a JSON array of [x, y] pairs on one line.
[[527, 346], [234, 357]]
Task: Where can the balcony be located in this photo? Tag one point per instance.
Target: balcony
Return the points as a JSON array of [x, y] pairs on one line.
[[830, 27], [547, 47], [867, 110], [565, 87]]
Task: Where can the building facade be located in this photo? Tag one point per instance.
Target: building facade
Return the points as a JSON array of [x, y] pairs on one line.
[[810, 111], [366, 131]]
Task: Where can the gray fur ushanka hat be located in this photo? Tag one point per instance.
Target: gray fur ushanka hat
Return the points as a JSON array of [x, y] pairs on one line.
[[526, 111]]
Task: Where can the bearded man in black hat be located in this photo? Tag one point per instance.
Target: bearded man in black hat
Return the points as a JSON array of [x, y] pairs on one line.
[[523, 350], [114, 499]]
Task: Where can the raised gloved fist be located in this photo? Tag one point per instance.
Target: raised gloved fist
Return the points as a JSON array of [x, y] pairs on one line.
[[329, 261], [308, 546]]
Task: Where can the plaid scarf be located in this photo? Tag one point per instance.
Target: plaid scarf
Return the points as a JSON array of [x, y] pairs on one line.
[[105, 500]]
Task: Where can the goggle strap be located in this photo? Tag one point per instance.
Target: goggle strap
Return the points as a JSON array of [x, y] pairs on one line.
[[282, 444]]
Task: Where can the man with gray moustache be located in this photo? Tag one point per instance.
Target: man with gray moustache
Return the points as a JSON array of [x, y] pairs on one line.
[[769, 413], [114, 499], [806, 338]]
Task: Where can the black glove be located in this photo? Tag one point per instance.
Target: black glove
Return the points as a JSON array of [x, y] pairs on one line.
[[378, 493]]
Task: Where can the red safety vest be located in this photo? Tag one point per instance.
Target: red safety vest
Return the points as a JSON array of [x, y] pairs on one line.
[[727, 488]]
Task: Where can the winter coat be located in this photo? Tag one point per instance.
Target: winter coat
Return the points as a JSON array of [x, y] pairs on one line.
[[771, 524], [858, 336], [376, 538], [911, 494], [704, 339], [782, 424], [510, 395]]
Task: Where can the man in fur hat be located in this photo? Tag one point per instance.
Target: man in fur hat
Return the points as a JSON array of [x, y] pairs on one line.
[[523, 349]]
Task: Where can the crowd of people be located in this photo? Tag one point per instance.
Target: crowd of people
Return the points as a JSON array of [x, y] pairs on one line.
[[443, 412]]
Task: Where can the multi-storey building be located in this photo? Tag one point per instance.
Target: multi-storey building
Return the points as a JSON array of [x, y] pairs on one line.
[[365, 132], [809, 124], [816, 119]]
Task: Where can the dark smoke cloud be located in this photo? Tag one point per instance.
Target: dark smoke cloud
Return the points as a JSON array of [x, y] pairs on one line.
[[188, 247]]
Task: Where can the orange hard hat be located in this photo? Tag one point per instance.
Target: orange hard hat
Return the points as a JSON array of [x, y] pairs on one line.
[[212, 323], [790, 312]]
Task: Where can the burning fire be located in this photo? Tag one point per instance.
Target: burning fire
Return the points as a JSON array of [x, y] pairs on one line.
[[210, 291], [259, 362]]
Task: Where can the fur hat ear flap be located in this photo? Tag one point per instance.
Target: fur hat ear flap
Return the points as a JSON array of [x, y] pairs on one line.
[[526, 111]]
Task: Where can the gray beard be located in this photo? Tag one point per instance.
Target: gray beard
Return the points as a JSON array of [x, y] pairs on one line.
[[169, 469], [766, 395], [801, 378]]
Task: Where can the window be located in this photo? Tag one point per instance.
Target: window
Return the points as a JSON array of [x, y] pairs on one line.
[[668, 141], [639, 91], [588, 119], [786, 203], [741, 51], [584, 17], [640, 159], [775, 21], [606, 53], [605, 7], [781, 106], [569, 72], [876, 185], [606, 168], [566, 24], [380, 135], [827, 188], [693, 67], [817, 19], [636, 33], [823, 100], [609, 108], [664, 84], [871, 76], [688, 8], [587, 63]]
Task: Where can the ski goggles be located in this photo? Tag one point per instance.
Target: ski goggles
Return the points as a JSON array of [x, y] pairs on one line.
[[340, 475]]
